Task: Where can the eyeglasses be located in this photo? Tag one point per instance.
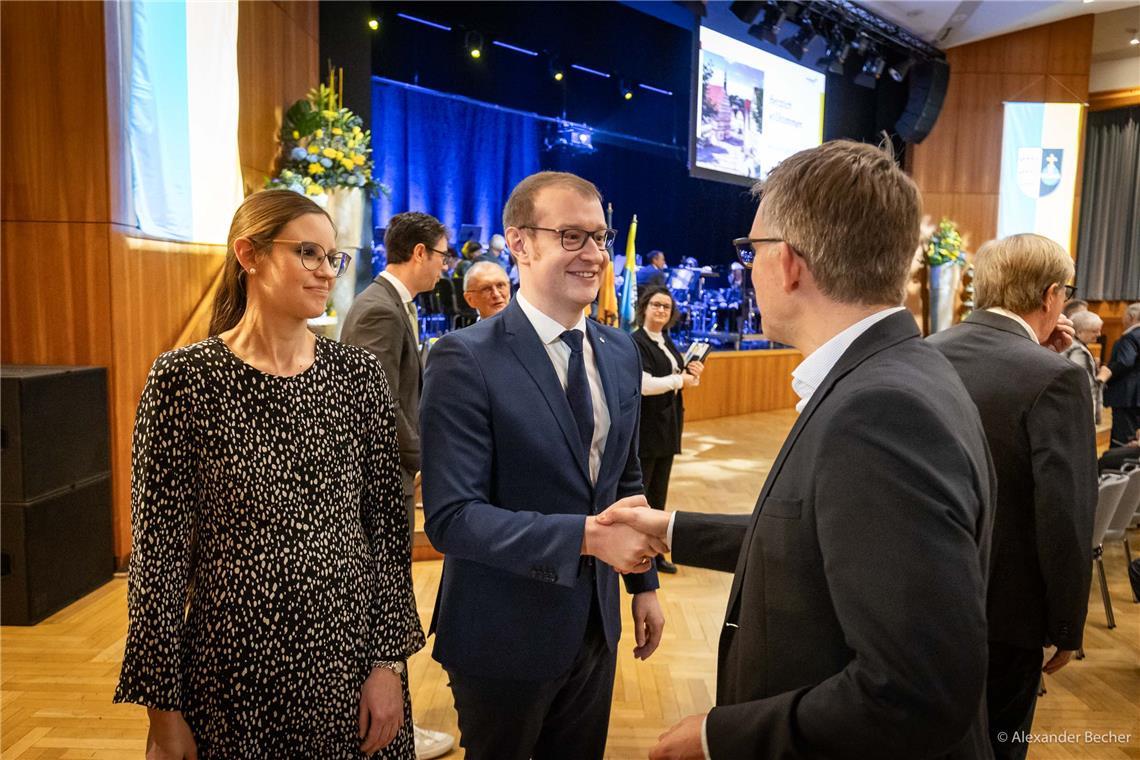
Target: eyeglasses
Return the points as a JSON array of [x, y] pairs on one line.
[[314, 254], [659, 306], [497, 287], [1070, 290], [745, 253], [436, 250], [574, 239]]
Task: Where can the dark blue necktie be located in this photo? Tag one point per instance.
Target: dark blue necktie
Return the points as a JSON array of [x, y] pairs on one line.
[[578, 389]]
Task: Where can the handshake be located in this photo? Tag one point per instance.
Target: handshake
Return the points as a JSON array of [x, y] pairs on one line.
[[627, 536]]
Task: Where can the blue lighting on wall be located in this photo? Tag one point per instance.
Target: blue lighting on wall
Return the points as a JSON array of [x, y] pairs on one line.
[[515, 48], [595, 72], [425, 22]]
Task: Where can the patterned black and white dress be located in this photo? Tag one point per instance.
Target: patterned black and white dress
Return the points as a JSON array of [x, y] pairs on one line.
[[270, 565]]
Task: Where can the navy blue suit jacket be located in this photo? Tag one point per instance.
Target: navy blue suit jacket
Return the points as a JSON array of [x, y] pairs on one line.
[[1123, 388], [506, 493]]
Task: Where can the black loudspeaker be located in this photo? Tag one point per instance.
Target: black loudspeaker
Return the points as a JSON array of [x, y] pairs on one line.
[[56, 538], [54, 550], [53, 429], [928, 83]]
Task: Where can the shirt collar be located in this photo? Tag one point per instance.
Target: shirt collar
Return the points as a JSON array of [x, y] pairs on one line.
[[811, 371], [549, 330], [401, 288], [1016, 318]]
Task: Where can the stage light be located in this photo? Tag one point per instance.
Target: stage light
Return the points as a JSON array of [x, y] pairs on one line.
[[872, 69], [473, 41], [768, 29], [626, 90], [798, 44], [514, 48], [559, 76], [425, 22], [587, 70], [657, 90], [898, 71], [373, 24], [557, 71]]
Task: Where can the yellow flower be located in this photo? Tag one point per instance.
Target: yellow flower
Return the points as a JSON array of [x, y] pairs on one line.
[[314, 189], [337, 131], [319, 134], [339, 155], [296, 135], [328, 153], [316, 169], [356, 130], [313, 149], [346, 164], [328, 114], [358, 160]]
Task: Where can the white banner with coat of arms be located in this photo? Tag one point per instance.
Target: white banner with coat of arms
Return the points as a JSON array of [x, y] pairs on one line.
[[1039, 169]]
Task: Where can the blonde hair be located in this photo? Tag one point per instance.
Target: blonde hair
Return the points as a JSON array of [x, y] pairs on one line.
[[1013, 273], [259, 219], [519, 210], [851, 213]]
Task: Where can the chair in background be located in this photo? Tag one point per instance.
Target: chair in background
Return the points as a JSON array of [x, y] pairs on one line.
[[1111, 489], [1129, 501]]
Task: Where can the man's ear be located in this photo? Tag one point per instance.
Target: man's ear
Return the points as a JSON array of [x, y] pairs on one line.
[[419, 253], [516, 242], [792, 268]]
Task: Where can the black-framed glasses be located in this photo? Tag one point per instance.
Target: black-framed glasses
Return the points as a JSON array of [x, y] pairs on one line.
[[436, 250], [659, 305], [574, 239], [1070, 290], [745, 252], [314, 254]]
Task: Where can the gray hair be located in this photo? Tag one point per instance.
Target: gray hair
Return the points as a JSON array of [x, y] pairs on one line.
[[1132, 313], [1086, 320], [477, 270]]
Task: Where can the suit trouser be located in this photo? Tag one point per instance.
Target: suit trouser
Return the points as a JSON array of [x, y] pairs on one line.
[[1012, 684], [1125, 420], [566, 718], [655, 473]]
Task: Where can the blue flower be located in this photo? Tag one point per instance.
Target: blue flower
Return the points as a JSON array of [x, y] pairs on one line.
[[298, 153], [326, 162]]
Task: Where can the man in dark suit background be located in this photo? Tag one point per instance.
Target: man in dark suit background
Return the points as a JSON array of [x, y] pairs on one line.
[[530, 419], [1034, 405], [856, 620], [1122, 379], [383, 319]]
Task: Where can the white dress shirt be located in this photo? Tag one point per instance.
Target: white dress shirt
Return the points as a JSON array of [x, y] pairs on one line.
[[405, 296], [550, 333], [1016, 318], [655, 386]]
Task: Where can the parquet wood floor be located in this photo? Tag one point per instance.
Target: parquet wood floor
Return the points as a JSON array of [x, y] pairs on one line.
[[56, 678]]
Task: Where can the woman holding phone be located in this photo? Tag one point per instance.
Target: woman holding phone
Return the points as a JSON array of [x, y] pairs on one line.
[[663, 378]]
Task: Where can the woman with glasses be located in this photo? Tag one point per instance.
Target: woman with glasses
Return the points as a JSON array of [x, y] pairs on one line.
[[270, 597], [662, 411]]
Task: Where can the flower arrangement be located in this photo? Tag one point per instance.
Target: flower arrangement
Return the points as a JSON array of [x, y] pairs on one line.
[[945, 245], [324, 146]]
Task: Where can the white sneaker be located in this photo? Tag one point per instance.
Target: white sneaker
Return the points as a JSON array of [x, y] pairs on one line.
[[431, 744]]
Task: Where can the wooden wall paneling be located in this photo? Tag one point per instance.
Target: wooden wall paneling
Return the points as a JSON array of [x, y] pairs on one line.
[[1024, 52], [56, 300], [978, 157], [55, 147], [1108, 99], [1069, 49], [742, 382], [1112, 312], [1023, 88]]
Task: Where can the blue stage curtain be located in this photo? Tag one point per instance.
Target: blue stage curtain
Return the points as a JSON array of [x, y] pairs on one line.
[[449, 158]]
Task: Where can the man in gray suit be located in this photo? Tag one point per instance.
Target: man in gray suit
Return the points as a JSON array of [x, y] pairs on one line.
[[1034, 405], [383, 320], [856, 623]]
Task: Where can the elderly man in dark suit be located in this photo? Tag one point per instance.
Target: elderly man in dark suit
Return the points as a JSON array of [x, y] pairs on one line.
[[531, 420], [1122, 379], [1034, 405], [383, 319], [856, 621]]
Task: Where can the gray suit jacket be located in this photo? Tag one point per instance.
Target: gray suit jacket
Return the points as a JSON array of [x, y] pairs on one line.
[[856, 624], [378, 321], [1034, 405]]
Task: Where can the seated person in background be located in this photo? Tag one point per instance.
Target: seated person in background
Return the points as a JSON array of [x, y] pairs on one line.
[[1087, 326], [486, 288], [1114, 458], [652, 273], [499, 251], [1074, 306], [662, 410]]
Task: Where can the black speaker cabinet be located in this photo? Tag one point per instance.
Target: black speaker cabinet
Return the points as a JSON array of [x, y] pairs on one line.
[[54, 550], [928, 83], [54, 430]]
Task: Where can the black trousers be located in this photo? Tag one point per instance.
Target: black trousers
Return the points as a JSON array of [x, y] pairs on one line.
[[1125, 420], [655, 473], [566, 718], [1012, 684]]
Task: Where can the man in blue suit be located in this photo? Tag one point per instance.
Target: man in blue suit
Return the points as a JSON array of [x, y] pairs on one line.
[[1122, 373], [529, 426]]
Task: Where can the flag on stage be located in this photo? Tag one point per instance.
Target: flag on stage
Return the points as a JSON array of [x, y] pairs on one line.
[[629, 284], [607, 294], [181, 81], [1039, 147]]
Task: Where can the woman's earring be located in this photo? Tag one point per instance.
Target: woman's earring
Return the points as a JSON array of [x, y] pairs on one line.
[[253, 270]]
